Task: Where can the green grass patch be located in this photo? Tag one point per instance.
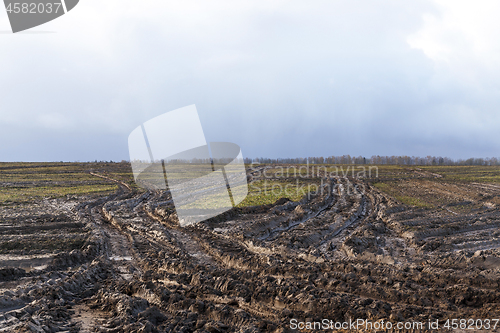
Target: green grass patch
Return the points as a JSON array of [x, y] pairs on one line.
[[26, 194], [25, 182], [405, 199], [264, 192]]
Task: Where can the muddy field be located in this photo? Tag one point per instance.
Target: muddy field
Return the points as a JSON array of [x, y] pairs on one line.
[[82, 249]]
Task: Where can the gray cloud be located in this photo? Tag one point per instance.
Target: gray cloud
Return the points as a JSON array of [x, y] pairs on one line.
[[278, 78]]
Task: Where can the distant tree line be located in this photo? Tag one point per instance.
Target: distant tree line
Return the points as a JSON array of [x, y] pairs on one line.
[[377, 159]]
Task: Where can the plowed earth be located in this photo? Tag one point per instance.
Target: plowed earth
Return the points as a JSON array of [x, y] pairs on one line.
[[354, 249]]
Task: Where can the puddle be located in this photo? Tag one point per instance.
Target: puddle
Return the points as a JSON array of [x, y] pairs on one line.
[[28, 263], [127, 277], [120, 258], [33, 268]]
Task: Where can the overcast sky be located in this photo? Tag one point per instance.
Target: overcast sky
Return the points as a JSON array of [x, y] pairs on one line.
[[279, 78]]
